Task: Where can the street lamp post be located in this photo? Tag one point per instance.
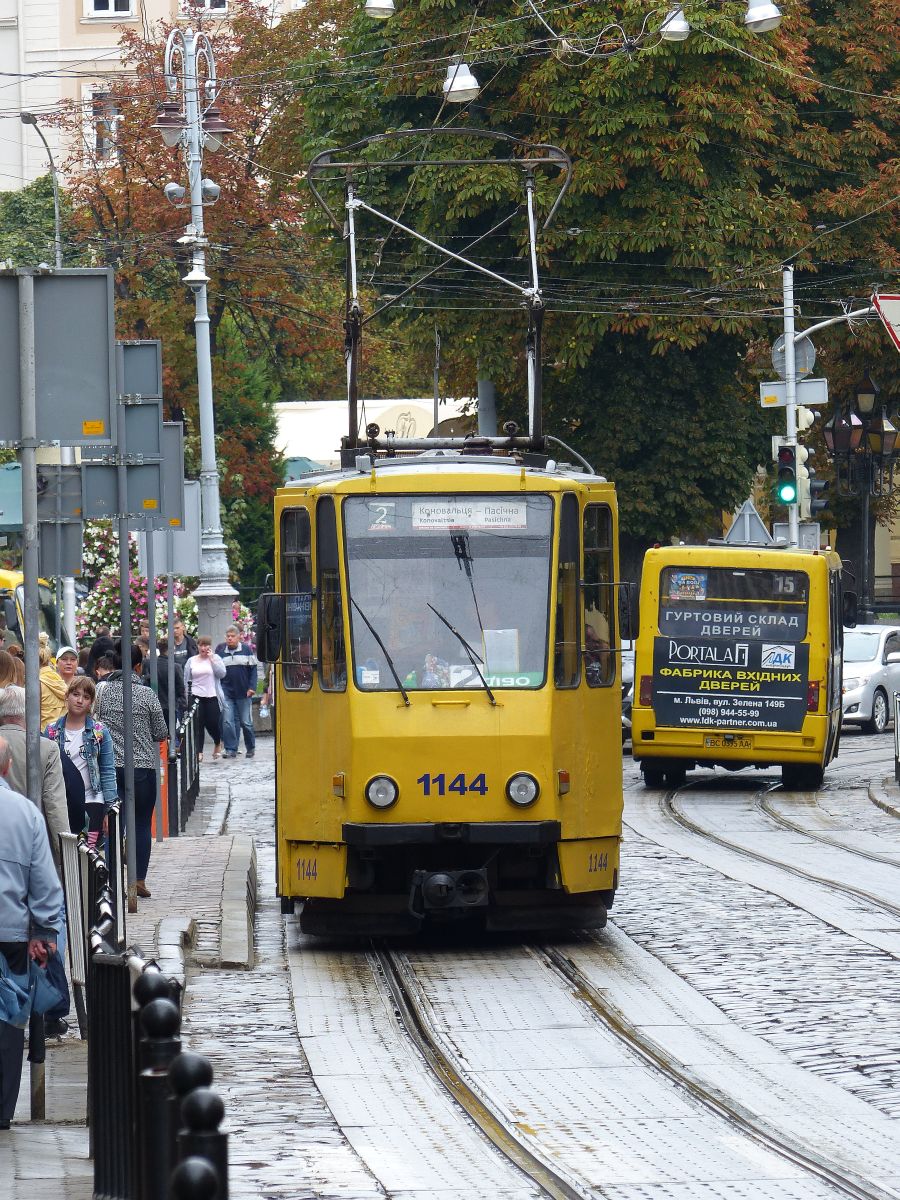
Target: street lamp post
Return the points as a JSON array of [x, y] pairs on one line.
[[188, 124], [863, 445]]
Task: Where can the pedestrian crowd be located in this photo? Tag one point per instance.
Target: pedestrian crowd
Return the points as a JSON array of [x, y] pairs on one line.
[[82, 756]]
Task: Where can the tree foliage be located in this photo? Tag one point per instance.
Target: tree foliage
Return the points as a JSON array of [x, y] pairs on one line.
[[699, 168]]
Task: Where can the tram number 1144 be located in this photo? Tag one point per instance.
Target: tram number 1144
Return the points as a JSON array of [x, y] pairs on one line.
[[438, 785]]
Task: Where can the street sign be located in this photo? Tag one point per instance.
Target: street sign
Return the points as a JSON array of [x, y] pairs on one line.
[[59, 494], [61, 548], [100, 487], [888, 308], [139, 365], [74, 365], [143, 435], [810, 534], [809, 391], [172, 512], [10, 496], [185, 543], [804, 357], [747, 528]]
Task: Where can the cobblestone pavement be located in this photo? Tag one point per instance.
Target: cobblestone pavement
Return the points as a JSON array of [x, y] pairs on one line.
[[50, 1161], [829, 1002], [283, 1141]]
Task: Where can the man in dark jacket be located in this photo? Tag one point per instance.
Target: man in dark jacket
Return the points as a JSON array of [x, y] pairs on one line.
[[239, 686], [184, 646], [162, 667]]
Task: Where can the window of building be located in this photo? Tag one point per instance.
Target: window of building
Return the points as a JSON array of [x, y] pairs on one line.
[[210, 5], [101, 125], [110, 8]]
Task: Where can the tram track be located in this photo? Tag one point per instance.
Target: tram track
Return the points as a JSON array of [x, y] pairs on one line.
[[413, 1011], [723, 1106], [670, 808], [794, 827]]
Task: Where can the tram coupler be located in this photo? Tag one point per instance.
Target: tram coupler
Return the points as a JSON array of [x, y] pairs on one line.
[[436, 890]]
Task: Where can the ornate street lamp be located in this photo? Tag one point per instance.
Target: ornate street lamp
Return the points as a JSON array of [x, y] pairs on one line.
[[864, 448]]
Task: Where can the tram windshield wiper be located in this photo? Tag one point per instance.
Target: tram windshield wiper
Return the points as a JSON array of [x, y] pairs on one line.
[[387, 658], [473, 657]]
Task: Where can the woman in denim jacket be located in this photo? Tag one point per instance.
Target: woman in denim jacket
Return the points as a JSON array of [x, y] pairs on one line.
[[88, 760]]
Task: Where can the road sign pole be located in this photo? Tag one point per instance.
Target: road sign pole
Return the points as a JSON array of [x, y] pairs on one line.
[[170, 666], [790, 381], [30, 548], [153, 661], [127, 674]]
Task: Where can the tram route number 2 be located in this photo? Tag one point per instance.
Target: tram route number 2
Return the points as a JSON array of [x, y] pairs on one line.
[[460, 785], [597, 862]]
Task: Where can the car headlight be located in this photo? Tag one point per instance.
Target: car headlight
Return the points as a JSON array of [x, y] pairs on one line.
[[382, 792], [523, 790], [850, 685]]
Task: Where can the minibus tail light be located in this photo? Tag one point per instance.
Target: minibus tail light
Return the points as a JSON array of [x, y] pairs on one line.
[[646, 693], [812, 696]]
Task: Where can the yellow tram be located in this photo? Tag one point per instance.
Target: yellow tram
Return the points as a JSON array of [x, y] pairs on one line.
[[448, 693], [738, 661]]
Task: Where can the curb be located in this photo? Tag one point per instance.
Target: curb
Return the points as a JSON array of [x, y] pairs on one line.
[[173, 936], [880, 796], [239, 904]]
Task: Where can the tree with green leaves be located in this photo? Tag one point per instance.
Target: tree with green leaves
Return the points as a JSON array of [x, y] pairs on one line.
[[699, 168]]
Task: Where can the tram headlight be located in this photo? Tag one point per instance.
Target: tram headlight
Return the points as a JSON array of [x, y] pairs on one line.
[[523, 790], [382, 792]]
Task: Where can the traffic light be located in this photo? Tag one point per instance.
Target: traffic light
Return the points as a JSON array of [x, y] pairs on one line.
[[817, 498], [806, 418], [786, 480], [803, 480]]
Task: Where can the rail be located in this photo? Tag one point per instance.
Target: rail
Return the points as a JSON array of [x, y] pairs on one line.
[[184, 770]]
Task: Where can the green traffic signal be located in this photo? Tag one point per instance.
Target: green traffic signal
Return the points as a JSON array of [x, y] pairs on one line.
[[786, 483]]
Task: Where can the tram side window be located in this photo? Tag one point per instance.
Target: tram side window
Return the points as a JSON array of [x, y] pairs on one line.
[[566, 664], [599, 591], [332, 651], [296, 583]]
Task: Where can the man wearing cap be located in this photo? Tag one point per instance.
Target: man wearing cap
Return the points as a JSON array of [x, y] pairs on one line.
[[67, 664]]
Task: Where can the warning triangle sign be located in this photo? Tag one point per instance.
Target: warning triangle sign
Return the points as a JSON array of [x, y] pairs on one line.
[[888, 308]]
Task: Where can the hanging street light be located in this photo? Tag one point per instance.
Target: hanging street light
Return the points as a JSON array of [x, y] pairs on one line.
[[460, 86], [379, 10], [761, 16], [675, 27]]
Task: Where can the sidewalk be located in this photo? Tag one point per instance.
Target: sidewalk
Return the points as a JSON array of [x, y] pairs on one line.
[[202, 908]]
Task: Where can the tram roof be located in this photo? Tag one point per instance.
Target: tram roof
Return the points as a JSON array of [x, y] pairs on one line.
[[443, 463]]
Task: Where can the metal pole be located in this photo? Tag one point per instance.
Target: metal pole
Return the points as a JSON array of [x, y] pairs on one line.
[[30, 554], [790, 391], [213, 556], [66, 453], [127, 675], [154, 662], [866, 564], [170, 666], [487, 408], [437, 378]]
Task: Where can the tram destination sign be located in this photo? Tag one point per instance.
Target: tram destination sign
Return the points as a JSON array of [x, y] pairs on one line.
[[752, 684]]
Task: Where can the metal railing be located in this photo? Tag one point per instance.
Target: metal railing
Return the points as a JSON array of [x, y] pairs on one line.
[[153, 1118], [184, 771]]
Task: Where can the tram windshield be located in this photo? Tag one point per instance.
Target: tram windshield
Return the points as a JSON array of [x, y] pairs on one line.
[[481, 562], [722, 602]]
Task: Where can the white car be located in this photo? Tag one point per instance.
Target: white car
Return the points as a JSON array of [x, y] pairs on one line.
[[627, 687], [871, 676]]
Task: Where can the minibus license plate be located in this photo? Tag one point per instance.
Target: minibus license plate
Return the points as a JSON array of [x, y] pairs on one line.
[[732, 743]]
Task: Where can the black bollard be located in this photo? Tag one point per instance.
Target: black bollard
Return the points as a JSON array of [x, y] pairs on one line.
[[186, 1073], [161, 1021], [195, 1179], [202, 1111]]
